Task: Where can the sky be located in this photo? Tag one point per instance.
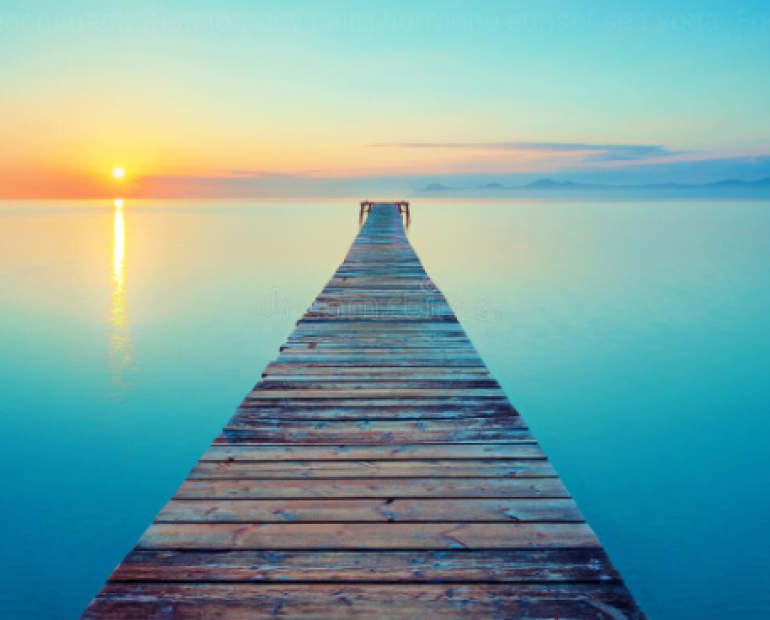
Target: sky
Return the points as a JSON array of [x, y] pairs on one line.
[[332, 98]]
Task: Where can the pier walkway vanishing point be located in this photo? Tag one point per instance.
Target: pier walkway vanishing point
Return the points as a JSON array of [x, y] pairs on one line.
[[376, 471]]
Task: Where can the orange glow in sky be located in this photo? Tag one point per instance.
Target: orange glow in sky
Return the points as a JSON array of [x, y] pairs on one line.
[[331, 106]]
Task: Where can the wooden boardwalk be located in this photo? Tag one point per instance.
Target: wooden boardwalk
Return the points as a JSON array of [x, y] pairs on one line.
[[376, 471]]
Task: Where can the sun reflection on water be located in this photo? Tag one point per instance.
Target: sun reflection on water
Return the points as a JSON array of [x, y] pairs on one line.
[[121, 349]]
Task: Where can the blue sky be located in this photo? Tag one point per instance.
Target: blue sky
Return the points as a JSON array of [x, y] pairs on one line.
[[339, 91]]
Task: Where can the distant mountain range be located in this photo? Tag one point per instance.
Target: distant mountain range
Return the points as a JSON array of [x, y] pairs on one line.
[[726, 188]]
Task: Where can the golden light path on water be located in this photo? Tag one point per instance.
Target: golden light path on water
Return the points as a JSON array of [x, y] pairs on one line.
[[120, 339]]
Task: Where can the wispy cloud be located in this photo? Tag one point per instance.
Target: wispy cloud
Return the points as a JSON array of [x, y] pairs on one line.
[[245, 173], [596, 152], [396, 183]]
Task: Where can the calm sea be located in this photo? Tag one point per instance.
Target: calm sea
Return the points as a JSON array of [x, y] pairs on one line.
[[634, 337]]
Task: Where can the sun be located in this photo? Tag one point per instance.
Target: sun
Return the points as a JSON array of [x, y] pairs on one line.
[[118, 172]]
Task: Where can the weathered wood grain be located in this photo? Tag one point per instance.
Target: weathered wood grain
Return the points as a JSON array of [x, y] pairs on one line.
[[401, 601], [359, 434], [362, 430], [396, 535], [244, 488], [499, 565], [209, 470], [425, 452], [271, 412], [274, 393], [463, 510]]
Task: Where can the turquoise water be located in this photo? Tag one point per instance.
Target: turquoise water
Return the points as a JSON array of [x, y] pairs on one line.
[[634, 337]]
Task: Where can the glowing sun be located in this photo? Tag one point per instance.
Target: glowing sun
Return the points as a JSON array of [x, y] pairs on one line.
[[118, 172]]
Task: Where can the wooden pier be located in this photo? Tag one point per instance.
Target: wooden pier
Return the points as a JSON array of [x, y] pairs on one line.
[[376, 471]]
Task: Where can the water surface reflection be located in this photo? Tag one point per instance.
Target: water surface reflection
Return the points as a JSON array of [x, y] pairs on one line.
[[121, 349]]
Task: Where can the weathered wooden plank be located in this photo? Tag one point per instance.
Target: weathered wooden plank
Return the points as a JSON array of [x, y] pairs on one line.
[[293, 452], [400, 362], [475, 388], [363, 510], [389, 393], [371, 469], [375, 353], [413, 320], [456, 403], [381, 345], [598, 601], [498, 566], [379, 327], [437, 350], [351, 435], [298, 375], [288, 372], [375, 427], [361, 339], [287, 411], [394, 535], [448, 407], [234, 434], [379, 488]]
